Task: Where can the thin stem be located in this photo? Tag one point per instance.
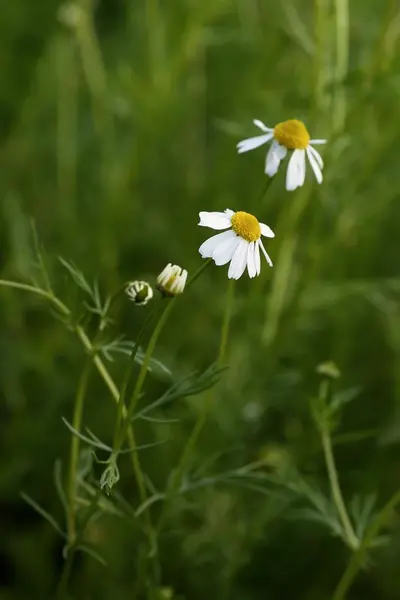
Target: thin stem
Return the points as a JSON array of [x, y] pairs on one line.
[[74, 452], [44, 293], [226, 322], [149, 352], [377, 60], [358, 557], [143, 372], [121, 401], [199, 271], [100, 366], [202, 418], [61, 593], [324, 426], [342, 62], [321, 9], [108, 380], [351, 537], [95, 74]]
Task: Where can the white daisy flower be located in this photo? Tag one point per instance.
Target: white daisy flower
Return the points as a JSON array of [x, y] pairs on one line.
[[288, 135], [172, 280], [140, 292], [240, 245]]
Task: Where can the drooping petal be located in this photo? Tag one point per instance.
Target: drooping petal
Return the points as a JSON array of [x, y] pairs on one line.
[[317, 156], [251, 261], [294, 175], [238, 262], [302, 168], [266, 231], [209, 246], [254, 142], [273, 159], [316, 142], [223, 252], [269, 261], [257, 257], [261, 125], [214, 220], [281, 150], [315, 166]]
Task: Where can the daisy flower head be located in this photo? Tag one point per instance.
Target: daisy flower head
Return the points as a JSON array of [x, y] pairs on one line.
[[239, 245], [172, 280], [140, 292], [288, 135]]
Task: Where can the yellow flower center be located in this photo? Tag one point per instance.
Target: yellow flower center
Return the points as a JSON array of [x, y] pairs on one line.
[[246, 226], [292, 134]]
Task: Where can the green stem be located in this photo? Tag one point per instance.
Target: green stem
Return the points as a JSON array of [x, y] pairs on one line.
[[342, 61], [202, 418], [149, 353], [74, 453], [101, 368], [199, 271], [61, 593], [143, 372], [226, 322], [44, 293], [358, 557], [321, 10], [324, 426], [377, 60], [350, 536], [122, 394]]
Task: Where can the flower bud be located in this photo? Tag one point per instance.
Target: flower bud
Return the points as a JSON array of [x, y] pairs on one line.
[[172, 280], [140, 292]]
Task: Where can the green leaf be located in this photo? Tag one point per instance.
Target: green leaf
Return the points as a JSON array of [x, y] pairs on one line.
[[91, 551], [86, 439], [343, 397], [77, 276], [42, 512], [59, 483]]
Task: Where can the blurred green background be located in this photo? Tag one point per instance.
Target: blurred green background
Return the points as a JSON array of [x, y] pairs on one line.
[[119, 121]]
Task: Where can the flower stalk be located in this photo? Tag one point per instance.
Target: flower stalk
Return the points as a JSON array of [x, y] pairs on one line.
[[324, 426]]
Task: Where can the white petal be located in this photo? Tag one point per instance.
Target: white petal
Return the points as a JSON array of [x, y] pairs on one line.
[[224, 252], [316, 142], [209, 246], [238, 262], [215, 220], [253, 142], [302, 168], [257, 257], [266, 231], [251, 261], [315, 166], [261, 125], [294, 175], [229, 213], [317, 156], [273, 159], [281, 150], [269, 261]]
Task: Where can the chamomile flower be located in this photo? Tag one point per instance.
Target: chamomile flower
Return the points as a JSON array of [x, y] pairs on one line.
[[239, 245], [288, 135], [172, 280], [140, 292]]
